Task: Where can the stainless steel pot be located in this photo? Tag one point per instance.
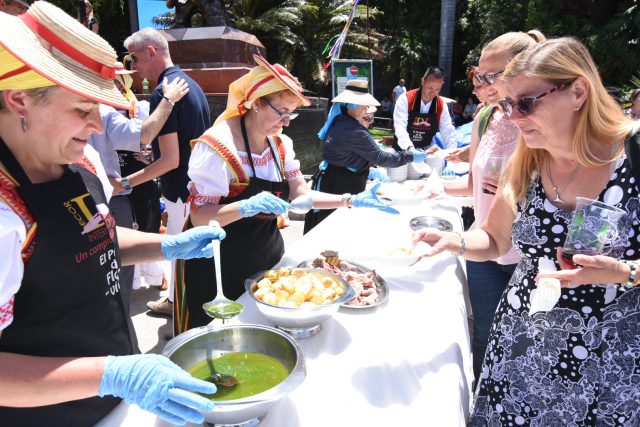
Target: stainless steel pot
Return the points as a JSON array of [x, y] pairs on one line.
[[207, 342]]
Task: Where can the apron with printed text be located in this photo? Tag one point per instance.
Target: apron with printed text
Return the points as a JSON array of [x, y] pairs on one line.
[[421, 127], [70, 303]]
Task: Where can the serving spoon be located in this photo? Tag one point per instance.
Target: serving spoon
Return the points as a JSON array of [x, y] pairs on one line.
[[220, 380], [220, 307]]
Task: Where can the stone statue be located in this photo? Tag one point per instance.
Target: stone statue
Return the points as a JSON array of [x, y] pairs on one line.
[[212, 11]]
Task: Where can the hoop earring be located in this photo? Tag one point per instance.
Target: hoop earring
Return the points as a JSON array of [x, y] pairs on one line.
[[23, 123]]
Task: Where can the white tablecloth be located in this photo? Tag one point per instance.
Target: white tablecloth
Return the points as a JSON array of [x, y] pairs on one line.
[[404, 363]]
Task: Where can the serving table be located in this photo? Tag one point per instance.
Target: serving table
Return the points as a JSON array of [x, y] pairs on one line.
[[405, 362]]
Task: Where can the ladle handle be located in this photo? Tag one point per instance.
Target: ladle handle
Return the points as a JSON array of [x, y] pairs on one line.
[[216, 261]]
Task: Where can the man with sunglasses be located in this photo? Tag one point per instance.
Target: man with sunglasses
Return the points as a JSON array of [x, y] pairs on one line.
[[149, 53], [420, 113]]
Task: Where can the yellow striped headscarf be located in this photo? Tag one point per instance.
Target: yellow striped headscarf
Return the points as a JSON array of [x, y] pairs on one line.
[[15, 75], [260, 81]]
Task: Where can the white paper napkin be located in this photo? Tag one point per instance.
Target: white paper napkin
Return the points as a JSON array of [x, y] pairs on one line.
[[547, 292]]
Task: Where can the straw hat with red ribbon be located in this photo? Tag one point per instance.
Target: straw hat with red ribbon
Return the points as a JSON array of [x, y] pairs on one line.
[[260, 81], [46, 47]]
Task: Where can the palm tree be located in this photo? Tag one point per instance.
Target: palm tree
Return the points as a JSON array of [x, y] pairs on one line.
[[295, 32], [447, 29]]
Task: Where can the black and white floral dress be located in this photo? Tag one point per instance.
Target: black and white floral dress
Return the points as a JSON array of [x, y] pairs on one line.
[[579, 363]]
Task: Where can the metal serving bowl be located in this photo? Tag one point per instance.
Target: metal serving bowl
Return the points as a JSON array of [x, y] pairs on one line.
[[300, 322], [430, 222], [196, 345]]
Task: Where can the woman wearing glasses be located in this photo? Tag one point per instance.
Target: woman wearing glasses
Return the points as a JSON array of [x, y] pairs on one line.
[[578, 363], [493, 137], [243, 171], [349, 151]]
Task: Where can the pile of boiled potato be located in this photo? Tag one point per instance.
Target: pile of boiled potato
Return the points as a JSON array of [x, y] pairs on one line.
[[296, 287]]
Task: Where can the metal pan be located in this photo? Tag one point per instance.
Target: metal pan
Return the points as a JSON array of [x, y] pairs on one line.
[[381, 284]]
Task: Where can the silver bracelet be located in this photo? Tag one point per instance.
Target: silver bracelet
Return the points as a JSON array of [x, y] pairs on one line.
[[463, 246], [173, 104]]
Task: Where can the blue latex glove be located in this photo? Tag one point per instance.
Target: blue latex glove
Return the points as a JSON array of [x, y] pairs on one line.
[[262, 203], [369, 199], [193, 243], [378, 174], [157, 385], [419, 156]]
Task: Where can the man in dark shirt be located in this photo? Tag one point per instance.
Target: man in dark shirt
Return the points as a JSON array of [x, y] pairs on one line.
[[149, 53]]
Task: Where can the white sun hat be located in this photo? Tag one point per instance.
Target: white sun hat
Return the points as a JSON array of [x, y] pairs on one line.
[[356, 92]]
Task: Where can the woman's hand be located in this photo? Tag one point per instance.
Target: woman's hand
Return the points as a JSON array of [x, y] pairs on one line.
[[176, 90], [596, 269], [440, 241], [459, 155], [262, 203], [193, 243], [157, 385], [369, 199], [143, 156], [490, 183]]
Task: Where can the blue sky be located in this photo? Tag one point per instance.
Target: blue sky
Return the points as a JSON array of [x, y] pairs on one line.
[[147, 9]]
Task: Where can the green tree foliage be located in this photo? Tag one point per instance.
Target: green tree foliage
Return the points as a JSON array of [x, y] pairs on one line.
[[402, 36], [113, 17], [610, 29], [295, 33]]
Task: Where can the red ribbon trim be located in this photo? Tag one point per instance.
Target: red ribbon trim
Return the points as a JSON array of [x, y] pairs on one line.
[[55, 41], [15, 72], [257, 85]]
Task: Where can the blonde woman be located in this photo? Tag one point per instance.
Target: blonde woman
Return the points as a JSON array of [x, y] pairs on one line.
[[493, 136], [576, 364]]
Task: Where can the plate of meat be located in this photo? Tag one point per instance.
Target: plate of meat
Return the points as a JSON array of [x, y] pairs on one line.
[[371, 289]]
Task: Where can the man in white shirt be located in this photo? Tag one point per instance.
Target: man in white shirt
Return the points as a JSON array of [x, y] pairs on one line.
[[398, 90], [420, 113]]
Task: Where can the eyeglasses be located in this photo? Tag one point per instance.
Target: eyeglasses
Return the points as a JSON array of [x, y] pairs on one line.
[[527, 104], [488, 78], [283, 116]]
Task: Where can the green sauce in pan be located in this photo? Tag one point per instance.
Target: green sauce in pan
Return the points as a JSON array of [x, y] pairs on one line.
[[255, 373]]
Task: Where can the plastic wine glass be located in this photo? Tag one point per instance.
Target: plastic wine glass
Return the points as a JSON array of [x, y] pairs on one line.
[[221, 307]]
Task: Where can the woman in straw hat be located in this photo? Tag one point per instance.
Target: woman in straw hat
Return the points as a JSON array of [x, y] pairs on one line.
[[576, 361], [243, 171], [61, 306], [350, 151]]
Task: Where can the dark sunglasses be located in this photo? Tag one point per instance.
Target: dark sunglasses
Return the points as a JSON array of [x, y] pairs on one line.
[[283, 116], [488, 78], [527, 104]]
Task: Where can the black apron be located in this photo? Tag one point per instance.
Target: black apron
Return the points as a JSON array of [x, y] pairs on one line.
[[421, 127], [70, 303], [252, 245], [335, 180], [145, 198]]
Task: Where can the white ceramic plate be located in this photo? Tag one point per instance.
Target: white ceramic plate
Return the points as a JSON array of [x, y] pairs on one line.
[[406, 193], [459, 168]]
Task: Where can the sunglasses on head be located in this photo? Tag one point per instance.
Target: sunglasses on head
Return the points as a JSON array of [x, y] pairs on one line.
[[527, 104], [488, 78]]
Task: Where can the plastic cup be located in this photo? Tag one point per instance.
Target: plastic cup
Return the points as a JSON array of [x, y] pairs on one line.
[[594, 225], [493, 166]]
